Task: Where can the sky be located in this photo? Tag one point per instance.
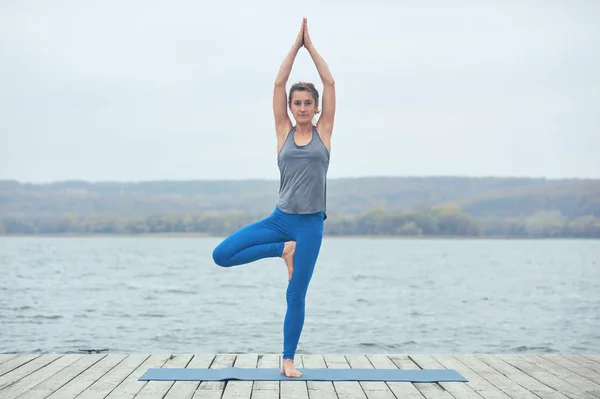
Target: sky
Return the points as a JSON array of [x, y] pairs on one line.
[[181, 90]]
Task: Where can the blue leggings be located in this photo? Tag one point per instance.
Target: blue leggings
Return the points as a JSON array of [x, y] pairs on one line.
[[265, 239]]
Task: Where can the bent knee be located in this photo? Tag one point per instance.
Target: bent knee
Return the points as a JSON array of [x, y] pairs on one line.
[[220, 257]]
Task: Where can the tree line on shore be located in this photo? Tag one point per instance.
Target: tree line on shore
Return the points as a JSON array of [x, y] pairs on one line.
[[370, 206], [439, 221]]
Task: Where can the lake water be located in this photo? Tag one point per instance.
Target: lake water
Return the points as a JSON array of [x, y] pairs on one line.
[[164, 294]]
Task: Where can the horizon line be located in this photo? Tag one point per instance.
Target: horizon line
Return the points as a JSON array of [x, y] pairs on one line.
[[255, 179]]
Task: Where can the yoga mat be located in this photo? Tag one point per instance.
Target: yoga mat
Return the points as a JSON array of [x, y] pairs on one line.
[[308, 374]]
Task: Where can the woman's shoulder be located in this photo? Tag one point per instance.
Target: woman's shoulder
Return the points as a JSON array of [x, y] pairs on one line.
[[325, 138]]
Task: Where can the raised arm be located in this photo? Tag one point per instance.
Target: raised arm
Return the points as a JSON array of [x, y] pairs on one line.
[[326, 121], [283, 124]]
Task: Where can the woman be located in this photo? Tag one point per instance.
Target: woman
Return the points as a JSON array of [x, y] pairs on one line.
[[294, 230]]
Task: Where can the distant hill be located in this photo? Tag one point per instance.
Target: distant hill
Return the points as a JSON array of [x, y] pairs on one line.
[[492, 203]]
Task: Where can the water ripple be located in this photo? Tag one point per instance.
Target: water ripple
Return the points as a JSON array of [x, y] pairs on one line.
[[366, 296]]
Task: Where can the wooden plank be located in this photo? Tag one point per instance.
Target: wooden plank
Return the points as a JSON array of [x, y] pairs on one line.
[[294, 389], [506, 385], [26, 369], [518, 376], [130, 386], [476, 382], [34, 376], [372, 389], [241, 389], [80, 383], [584, 361], [344, 389], [429, 390], [16, 362], [158, 389], [38, 376], [186, 389], [534, 371], [214, 389], [107, 383], [4, 357], [318, 389], [595, 358], [63, 377], [399, 389], [264, 394], [455, 389], [576, 368], [267, 389], [565, 374]]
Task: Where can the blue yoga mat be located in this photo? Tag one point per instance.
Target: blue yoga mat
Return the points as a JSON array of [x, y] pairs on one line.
[[321, 374]]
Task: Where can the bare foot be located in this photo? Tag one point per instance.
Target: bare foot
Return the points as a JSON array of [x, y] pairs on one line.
[[289, 370], [288, 256]]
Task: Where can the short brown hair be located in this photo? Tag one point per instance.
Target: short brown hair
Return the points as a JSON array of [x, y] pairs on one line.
[[305, 86]]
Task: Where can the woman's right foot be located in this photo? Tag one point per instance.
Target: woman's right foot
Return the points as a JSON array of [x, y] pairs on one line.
[[289, 370], [288, 256]]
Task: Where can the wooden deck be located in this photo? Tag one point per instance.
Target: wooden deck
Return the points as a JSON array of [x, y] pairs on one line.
[[85, 376]]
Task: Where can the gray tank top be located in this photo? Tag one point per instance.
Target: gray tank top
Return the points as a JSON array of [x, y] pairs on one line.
[[303, 175]]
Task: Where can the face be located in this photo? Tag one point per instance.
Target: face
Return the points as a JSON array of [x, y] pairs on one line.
[[303, 106]]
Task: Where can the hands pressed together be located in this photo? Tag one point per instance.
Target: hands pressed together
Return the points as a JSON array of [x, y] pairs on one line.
[[303, 38]]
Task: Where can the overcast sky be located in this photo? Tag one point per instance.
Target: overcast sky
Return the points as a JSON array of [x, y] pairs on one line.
[[144, 90]]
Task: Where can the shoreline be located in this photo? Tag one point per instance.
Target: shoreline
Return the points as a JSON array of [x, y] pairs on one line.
[[326, 236]]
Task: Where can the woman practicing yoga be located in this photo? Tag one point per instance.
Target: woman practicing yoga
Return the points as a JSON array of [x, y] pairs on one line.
[[294, 230]]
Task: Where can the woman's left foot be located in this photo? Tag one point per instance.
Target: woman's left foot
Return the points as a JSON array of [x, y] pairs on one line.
[[288, 256], [289, 370]]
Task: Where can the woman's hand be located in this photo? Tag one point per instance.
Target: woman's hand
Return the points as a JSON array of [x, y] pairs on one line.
[[306, 37], [300, 38]]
